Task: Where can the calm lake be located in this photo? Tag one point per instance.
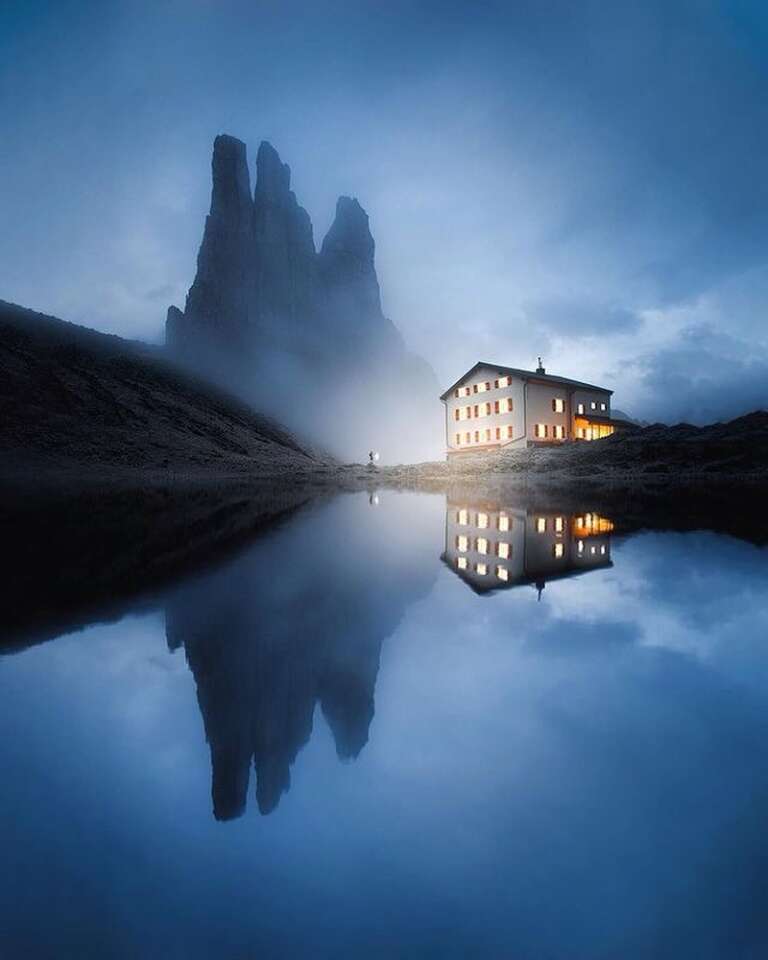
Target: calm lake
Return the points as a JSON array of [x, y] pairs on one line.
[[401, 725]]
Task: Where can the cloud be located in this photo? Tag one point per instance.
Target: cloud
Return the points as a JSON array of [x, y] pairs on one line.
[[581, 318]]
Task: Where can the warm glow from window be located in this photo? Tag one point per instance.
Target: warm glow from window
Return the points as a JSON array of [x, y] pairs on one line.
[[462, 543], [503, 522], [502, 573], [482, 521], [482, 546], [559, 549], [482, 569], [461, 563], [541, 524], [558, 431], [580, 547], [540, 430], [462, 517], [558, 405], [502, 550]]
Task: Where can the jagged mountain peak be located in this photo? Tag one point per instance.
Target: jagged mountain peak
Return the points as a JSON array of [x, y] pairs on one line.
[[350, 232], [273, 177], [230, 197]]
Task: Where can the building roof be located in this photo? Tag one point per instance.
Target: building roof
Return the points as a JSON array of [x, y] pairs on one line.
[[524, 375]]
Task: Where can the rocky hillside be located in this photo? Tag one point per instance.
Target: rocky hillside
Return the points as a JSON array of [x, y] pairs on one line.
[[76, 401], [296, 332]]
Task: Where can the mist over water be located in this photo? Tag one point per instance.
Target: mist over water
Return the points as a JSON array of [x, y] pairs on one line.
[[334, 744]]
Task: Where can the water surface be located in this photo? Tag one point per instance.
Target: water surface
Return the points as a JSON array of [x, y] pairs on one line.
[[375, 732]]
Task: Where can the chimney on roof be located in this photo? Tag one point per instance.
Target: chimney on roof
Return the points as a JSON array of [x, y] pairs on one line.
[[540, 368]]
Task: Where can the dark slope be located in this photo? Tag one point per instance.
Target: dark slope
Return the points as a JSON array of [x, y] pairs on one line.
[[74, 400]]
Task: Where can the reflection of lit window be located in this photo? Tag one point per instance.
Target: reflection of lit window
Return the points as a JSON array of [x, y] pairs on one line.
[[461, 563], [592, 550], [502, 573], [462, 543], [580, 547], [482, 521], [502, 550], [559, 549], [558, 524], [498, 433], [482, 545], [509, 432], [462, 517], [558, 431], [541, 524], [540, 430], [602, 550], [503, 522], [482, 569], [558, 405]]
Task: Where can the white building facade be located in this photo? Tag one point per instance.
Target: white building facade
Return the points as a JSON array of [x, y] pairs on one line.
[[493, 407]]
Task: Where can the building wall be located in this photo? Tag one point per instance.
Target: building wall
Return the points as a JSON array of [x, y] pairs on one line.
[[540, 410], [588, 397], [483, 422]]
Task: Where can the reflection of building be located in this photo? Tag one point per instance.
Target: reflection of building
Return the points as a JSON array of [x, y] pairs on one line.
[[492, 407], [492, 546]]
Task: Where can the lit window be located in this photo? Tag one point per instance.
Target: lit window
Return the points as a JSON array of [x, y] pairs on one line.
[[461, 563], [593, 405], [498, 433], [477, 436], [559, 523], [603, 406], [509, 432], [458, 439], [580, 547], [541, 524], [480, 388], [593, 550], [462, 543], [558, 431], [502, 573], [540, 430], [481, 568], [503, 522], [580, 408], [462, 517], [482, 546], [482, 521], [602, 550], [496, 384], [502, 550], [559, 550], [488, 435], [558, 405]]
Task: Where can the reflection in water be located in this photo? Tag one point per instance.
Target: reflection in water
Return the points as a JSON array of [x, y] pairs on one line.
[[292, 623], [492, 545]]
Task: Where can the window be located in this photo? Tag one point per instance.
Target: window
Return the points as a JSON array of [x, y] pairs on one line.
[[502, 550], [477, 410], [488, 435], [593, 550], [461, 563], [481, 568], [462, 517], [468, 412], [503, 522], [462, 543], [458, 439], [477, 436], [480, 388], [558, 405], [502, 573], [474, 388], [541, 524], [603, 406], [558, 550], [487, 385], [505, 381], [498, 433], [558, 431], [496, 384], [467, 437], [540, 430], [559, 523], [456, 392], [495, 406], [602, 550], [593, 405], [508, 404], [509, 432], [482, 546], [580, 547], [482, 521], [467, 391], [488, 409], [580, 408], [457, 414]]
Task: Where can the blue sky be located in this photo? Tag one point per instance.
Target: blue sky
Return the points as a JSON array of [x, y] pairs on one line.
[[582, 181]]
